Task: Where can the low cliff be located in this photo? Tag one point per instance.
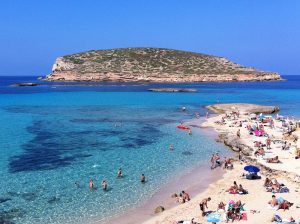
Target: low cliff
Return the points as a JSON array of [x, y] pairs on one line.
[[152, 65]]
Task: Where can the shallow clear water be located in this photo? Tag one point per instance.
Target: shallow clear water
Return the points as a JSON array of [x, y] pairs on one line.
[[54, 135]]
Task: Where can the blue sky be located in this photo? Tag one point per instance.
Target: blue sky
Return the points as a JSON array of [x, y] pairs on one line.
[[263, 34]]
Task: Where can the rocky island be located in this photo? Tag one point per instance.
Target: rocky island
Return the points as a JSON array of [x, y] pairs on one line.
[[152, 65]]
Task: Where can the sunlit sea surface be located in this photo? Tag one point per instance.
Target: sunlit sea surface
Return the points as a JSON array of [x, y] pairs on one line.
[[56, 134]]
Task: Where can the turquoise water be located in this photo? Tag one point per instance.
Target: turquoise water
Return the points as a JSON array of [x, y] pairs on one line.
[[52, 136]]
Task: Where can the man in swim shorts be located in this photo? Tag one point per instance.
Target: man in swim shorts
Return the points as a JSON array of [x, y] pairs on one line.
[[203, 205]]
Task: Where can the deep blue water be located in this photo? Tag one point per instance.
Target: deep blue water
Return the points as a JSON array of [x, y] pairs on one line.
[[55, 134]]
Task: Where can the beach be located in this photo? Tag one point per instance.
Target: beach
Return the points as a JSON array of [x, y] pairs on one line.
[[256, 201]]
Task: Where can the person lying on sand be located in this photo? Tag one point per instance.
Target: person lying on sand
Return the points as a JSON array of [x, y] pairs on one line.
[[297, 154], [285, 205], [203, 205], [273, 160], [257, 144], [259, 152], [241, 190], [221, 206], [180, 199], [268, 183]]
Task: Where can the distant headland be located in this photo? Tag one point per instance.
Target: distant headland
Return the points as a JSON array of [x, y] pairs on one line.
[[152, 65]]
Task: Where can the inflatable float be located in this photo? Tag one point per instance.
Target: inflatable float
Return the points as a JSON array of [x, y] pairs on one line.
[[182, 127]]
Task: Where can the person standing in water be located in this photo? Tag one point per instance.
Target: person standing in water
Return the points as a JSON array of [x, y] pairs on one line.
[[206, 115], [120, 174], [212, 160], [104, 185], [171, 147], [143, 178], [91, 184]]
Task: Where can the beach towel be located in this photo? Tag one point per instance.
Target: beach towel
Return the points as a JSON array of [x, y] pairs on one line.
[[244, 216], [280, 200], [273, 208]]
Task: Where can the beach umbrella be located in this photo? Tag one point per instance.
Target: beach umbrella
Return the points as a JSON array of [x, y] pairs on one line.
[[251, 169], [214, 217]]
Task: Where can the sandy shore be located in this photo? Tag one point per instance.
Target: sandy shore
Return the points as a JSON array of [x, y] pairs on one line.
[[285, 172], [192, 181]]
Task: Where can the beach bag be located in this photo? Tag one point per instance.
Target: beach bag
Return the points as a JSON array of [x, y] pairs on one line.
[[284, 190], [277, 218]]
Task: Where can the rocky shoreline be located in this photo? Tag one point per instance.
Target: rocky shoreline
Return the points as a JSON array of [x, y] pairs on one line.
[[237, 144]]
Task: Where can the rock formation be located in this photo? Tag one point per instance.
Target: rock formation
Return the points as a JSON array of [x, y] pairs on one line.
[[177, 90], [152, 65], [243, 108]]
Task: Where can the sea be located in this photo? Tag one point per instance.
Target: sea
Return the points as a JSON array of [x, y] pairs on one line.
[[56, 136]]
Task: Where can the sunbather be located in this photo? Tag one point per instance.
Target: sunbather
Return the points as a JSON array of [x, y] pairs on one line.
[[241, 190], [233, 189], [268, 182], [259, 152], [221, 206], [273, 160], [285, 205]]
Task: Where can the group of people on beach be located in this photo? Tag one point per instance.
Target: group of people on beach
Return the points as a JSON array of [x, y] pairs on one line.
[[182, 197], [237, 189], [217, 162]]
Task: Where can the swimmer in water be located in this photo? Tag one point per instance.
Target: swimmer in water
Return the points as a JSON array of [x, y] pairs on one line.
[[91, 184], [171, 147], [77, 184], [190, 132], [143, 178], [104, 185], [120, 174]]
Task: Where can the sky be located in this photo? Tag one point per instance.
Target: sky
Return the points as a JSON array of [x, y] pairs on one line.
[[262, 34]]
